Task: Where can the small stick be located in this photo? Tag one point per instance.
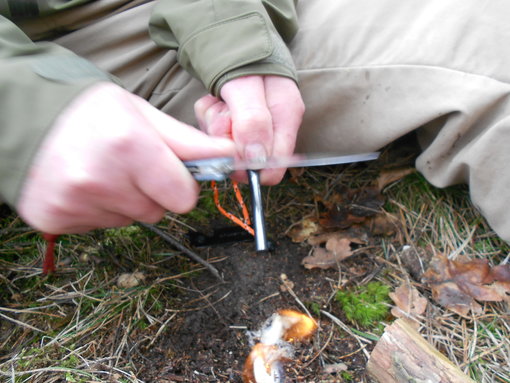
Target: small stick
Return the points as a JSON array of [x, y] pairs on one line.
[[288, 286], [182, 248]]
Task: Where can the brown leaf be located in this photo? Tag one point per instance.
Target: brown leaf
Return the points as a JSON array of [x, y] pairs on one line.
[[354, 206], [476, 279], [296, 174], [341, 247], [328, 258], [409, 303], [365, 202], [354, 236], [384, 224], [415, 260], [457, 284], [339, 218], [392, 175], [303, 230]]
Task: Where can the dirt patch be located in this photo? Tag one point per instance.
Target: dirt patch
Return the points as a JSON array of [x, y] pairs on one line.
[[211, 343]]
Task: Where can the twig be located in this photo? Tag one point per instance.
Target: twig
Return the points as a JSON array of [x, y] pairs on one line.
[[288, 286], [318, 353], [16, 230], [161, 328], [182, 248], [344, 327], [47, 369], [23, 324]]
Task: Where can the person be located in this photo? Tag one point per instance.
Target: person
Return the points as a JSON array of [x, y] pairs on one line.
[[98, 112]]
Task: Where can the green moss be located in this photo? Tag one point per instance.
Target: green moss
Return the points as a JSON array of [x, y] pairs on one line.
[[129, 234], [314, 307], [366, 305], [346, 376]]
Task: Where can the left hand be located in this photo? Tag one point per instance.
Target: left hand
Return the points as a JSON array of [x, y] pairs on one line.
[[261, 113]]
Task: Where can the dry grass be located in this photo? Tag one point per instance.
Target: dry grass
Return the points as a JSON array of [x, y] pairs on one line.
[[82, 327], [445, 221]]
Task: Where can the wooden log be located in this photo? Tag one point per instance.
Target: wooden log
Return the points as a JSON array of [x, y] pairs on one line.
[[403, 355]]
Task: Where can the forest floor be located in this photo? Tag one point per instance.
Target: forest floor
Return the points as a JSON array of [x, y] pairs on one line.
[[337, 234]]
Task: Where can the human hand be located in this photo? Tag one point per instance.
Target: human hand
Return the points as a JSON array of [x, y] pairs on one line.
[[261, 113], [111, 158]]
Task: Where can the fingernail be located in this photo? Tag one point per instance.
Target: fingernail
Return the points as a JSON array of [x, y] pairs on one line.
[[255, 152]]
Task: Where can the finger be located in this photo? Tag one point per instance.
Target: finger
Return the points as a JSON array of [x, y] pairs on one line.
[[219, 121], [128, 201], [251, 119], [185, 141], [287, 108], [201, 106], [163, 177], [150, 178], [159, 172]]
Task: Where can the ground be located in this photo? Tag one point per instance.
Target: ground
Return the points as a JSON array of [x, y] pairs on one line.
[[213, 340], [180, 323]]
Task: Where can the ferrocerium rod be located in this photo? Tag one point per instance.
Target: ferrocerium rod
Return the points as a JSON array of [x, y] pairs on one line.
[[259, 223]]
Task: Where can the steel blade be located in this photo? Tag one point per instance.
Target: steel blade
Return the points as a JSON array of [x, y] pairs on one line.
[[304, 160]]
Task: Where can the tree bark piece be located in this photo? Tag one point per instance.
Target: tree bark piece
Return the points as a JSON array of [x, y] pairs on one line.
[[403, 355]]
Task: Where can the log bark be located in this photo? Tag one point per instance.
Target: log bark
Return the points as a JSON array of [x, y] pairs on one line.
[[403, 355]]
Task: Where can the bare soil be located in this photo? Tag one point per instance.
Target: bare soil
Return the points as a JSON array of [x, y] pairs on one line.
[[211, 343]]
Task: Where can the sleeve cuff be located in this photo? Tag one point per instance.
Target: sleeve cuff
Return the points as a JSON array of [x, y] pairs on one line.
[[257, 46]]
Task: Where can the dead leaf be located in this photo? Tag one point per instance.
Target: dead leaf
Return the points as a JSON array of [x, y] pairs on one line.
[[392, 175], [409, 303], [456, 284], [296, 174], [415, 260], [303, 230], [328, 258], [339, 218], [353, 207], [128, 280], [354, 236], [384, 224], [341, 247]]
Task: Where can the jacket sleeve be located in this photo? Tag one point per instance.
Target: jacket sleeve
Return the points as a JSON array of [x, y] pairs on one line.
[[19, 9], [218, 40], [37, 81]]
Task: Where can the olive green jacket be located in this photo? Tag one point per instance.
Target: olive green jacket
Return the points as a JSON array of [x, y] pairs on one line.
[[216, 40]]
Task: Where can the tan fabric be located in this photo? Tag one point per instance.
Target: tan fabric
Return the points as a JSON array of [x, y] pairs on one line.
[[370, 71], [389, 67]]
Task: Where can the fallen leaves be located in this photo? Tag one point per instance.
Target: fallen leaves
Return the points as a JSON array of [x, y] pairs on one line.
[[390, 176], [348, 218], [128, 280], [304, 230], [337, 249], [409, 303], [351, 207], [459, 285]]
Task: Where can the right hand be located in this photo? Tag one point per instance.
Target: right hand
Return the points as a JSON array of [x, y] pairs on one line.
[[110, 159], [262, 114]]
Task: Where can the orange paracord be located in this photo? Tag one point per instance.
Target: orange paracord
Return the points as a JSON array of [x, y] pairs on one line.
[[245, 222]]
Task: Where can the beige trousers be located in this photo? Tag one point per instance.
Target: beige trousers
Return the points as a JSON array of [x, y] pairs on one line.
[[370, 71]]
